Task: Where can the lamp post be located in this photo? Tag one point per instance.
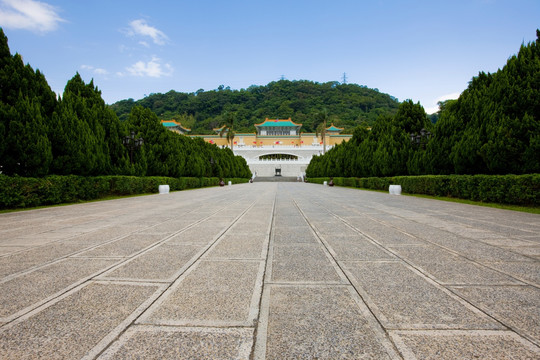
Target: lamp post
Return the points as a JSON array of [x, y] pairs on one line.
[[131, 143], [420, 140]]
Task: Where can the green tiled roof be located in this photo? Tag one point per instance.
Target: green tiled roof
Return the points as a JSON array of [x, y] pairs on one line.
[[333, 128], [274, 123], [169, 123]]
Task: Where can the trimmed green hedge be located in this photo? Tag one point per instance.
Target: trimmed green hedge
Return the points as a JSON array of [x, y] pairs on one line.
[[502, 189], [20, 192]]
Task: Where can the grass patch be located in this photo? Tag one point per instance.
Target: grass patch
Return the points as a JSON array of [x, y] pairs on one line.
[[527, 209]]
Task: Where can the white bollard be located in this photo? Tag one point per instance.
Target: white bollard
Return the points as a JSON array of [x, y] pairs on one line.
[[394, 189], [325, 183], [230, 183], [163, 189]]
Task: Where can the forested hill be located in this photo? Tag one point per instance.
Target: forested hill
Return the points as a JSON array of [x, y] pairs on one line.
[[350, 105]]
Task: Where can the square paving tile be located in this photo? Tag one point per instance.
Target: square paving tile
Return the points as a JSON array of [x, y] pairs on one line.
[[450, 345], [23, 260], [241, 246], [161, 343], [159, 263], [449, 268], [294, 234], [302, 263], [214, 293], [528, 271], [31, 288], [515, 306], [203, 233], [123, 247], [402, 299], [319, 323], [356, 248], [73, 326]]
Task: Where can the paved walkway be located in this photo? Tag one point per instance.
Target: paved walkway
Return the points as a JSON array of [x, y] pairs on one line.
[[270, 271]]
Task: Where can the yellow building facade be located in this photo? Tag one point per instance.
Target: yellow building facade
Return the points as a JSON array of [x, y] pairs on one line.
[[274, 133]]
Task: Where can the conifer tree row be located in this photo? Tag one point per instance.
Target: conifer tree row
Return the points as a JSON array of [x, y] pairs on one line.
[[79, 134], [493, 128]]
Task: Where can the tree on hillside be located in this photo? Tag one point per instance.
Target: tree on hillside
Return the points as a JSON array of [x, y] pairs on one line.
[[322, 119], [227, 128], [300, 100]]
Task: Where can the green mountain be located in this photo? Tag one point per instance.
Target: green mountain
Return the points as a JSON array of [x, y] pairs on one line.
[[349, 105]]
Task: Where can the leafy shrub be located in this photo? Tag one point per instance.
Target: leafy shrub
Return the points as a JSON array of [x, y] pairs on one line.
[[503, 189], [21, 192]]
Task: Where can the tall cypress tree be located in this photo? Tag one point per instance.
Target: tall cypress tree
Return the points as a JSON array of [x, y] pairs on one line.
[[26, 106]]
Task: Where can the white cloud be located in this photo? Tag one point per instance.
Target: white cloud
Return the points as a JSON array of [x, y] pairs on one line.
[[140, 27], [29, 15], [152, 68], [448, 97], [97, 71], [435, 108]]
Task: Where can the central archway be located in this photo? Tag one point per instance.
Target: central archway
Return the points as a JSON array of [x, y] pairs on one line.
[[278, 156]]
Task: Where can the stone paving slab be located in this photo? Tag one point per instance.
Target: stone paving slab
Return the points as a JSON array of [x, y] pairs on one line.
[[36, 256], [319, 322], [294, 234], [241, 246], [165, 342], [123, 247], [404, 299], [515, 306], [449, 268], [302, 263], [523, 271], [269, 270], [215, 293], [459, 344], [34, 287], [74, 325], [202, 233], [160, 263], [356, 248]]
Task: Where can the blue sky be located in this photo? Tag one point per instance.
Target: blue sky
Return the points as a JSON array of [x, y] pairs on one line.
[[419, 50]]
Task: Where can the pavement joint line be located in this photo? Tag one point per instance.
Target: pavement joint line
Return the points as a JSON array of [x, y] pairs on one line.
[[417, 321], [449, 291], [168, 288], [408, 354], [22, 312], [96, 276], [73, 254], [428, 278], [260, 334], [66, 294], [190, 266], [374, 324], [309, 284], [478, 263], [143, 251], [501, 225]]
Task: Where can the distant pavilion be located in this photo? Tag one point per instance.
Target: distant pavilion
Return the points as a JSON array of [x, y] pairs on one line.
[[175, 126]]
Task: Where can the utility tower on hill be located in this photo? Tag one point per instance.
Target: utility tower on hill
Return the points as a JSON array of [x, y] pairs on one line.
[[344, 79]]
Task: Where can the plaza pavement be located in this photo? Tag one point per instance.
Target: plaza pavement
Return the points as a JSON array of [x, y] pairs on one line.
[[270, 270]]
